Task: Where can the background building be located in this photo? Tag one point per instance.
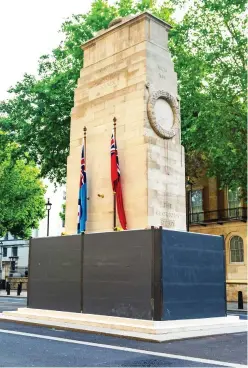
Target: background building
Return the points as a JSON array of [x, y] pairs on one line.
[[16, 251], [222, 212]]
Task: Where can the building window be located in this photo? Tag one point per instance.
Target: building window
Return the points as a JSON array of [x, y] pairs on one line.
[[236, 250], [14, 251], [233, 199], [197, 206], [5, 251]]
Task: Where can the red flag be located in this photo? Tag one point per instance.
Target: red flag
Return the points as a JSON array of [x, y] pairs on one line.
[[116, 182]]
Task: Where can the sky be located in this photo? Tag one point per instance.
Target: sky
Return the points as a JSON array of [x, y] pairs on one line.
[[29, 29]]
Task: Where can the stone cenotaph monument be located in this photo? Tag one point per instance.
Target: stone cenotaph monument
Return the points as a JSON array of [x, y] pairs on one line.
[[150, 283], [128, 74]]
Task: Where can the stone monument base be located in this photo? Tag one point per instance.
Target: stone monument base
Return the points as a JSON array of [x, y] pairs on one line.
[[152, 284], [128, 327]]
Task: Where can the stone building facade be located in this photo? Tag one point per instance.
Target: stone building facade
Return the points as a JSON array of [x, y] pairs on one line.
[[222, 212]]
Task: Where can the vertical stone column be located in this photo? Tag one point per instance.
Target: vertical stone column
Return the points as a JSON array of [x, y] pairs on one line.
[[124, 67], [166, 163]]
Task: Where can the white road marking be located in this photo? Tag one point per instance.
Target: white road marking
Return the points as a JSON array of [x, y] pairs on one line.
[[12, 300], [17, 302], [130, 350]]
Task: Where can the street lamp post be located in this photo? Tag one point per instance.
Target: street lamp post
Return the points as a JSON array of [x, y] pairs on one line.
[[48, 208], [189, 185]]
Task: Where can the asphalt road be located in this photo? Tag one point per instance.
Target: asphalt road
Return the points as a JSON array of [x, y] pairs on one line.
[[9, 304], [30, 346]]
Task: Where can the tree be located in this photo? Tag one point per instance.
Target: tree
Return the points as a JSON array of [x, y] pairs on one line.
[[62, 213], [208, 47], [209, 55], [39, 112], [22, 202]]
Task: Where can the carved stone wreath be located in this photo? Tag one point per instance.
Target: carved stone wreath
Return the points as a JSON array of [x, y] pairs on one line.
[[159, 130]]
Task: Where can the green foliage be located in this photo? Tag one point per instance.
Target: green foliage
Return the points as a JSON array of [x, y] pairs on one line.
[[62, 213], [208, 47], [22, 202], [209, 55]]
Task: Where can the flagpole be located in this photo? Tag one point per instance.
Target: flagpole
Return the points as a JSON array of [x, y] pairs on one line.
[[85, 131], [84, 140], [114, 193]]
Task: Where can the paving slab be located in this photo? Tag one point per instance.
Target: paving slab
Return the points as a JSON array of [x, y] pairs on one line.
[[13, 293]]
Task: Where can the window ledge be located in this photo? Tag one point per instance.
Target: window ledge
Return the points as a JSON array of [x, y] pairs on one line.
[[236, 281]]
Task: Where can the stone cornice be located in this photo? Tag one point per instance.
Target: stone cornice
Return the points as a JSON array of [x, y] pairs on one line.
[[135, 19]]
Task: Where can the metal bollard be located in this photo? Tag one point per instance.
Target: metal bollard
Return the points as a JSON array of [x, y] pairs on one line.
[[8, 288], [240, 300], [19, 288]]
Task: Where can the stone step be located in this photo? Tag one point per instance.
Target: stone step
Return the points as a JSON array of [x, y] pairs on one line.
[[126, 321], [84, 316], [125, 324], [171, 334], [106, 324]]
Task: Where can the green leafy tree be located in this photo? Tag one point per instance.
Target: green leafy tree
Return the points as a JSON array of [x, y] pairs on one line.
[[22, 203], [62, 213], [209, 55]]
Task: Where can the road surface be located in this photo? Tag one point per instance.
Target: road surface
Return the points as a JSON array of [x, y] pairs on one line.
[[29, 346]]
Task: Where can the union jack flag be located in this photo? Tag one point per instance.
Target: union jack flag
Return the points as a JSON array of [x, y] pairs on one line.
[[116, 181], [82, 198], [114, 151]]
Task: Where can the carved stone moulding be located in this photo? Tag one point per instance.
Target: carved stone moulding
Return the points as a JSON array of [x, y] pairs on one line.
[[154, 97]]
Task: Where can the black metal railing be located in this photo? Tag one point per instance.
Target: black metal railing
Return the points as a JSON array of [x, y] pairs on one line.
[[218, 216]]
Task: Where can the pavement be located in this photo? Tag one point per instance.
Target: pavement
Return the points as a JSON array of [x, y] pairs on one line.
[[233, 306], [33, 346], [13, 293]]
